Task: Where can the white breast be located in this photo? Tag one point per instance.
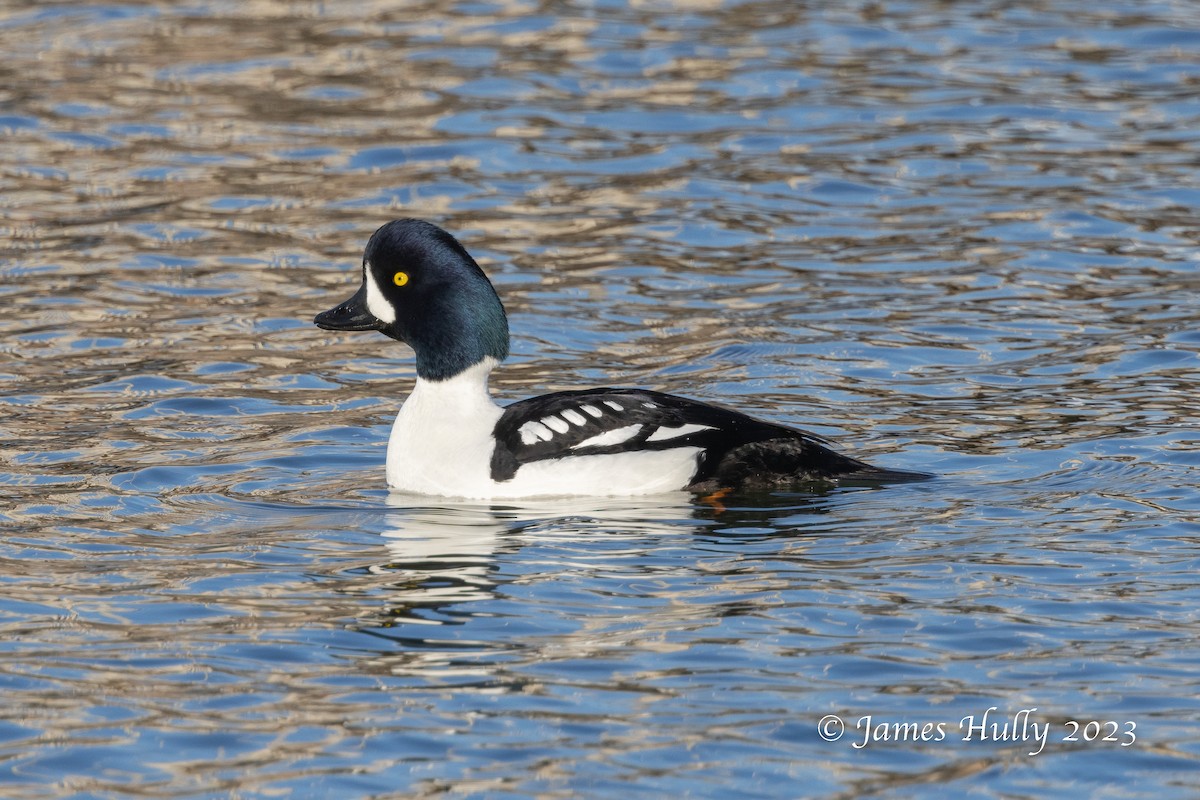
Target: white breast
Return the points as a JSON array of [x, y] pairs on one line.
[[441, 442]]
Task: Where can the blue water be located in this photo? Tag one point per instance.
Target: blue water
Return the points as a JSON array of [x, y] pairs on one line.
[[958, 238]]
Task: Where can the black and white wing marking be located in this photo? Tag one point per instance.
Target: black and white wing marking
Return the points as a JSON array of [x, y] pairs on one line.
[[607, 421]]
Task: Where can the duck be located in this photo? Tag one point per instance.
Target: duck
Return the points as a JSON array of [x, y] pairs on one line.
[[421, 287]]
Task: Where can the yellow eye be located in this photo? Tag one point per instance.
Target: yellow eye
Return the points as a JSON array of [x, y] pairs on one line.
[[400, 279]]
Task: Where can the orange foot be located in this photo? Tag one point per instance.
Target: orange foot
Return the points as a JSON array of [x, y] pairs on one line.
[[714, 499]]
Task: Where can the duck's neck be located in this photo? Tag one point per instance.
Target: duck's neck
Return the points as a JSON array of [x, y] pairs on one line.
[[464, 393]]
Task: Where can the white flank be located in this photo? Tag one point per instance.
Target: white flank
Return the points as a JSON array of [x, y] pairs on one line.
[[610, 437], [636, 472], [675, 433], [377, 304]]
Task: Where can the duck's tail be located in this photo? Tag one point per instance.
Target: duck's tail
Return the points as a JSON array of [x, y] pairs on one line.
[[798, 461], [870, 474]]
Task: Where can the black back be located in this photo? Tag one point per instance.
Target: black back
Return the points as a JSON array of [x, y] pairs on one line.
[[724, 433]]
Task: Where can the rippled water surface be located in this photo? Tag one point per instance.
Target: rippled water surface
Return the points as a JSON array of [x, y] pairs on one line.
[[955, 237]]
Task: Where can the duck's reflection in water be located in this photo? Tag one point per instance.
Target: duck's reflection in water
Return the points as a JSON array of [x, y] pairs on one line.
[[470, 589], [439, 555], [446, 553], [448, 613]]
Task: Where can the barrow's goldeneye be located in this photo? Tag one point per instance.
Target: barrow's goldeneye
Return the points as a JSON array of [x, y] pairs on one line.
[[421, 287]]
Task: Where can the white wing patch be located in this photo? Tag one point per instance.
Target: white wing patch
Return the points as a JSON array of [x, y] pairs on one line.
[[675, 433], [551, 425], [544, 429], [533, 430], [574, 417], [615, 436]]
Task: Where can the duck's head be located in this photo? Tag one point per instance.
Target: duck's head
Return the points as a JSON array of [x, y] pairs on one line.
[[421, 287]]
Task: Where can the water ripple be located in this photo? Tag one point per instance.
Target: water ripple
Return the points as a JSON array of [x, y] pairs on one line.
[[953, 237]]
